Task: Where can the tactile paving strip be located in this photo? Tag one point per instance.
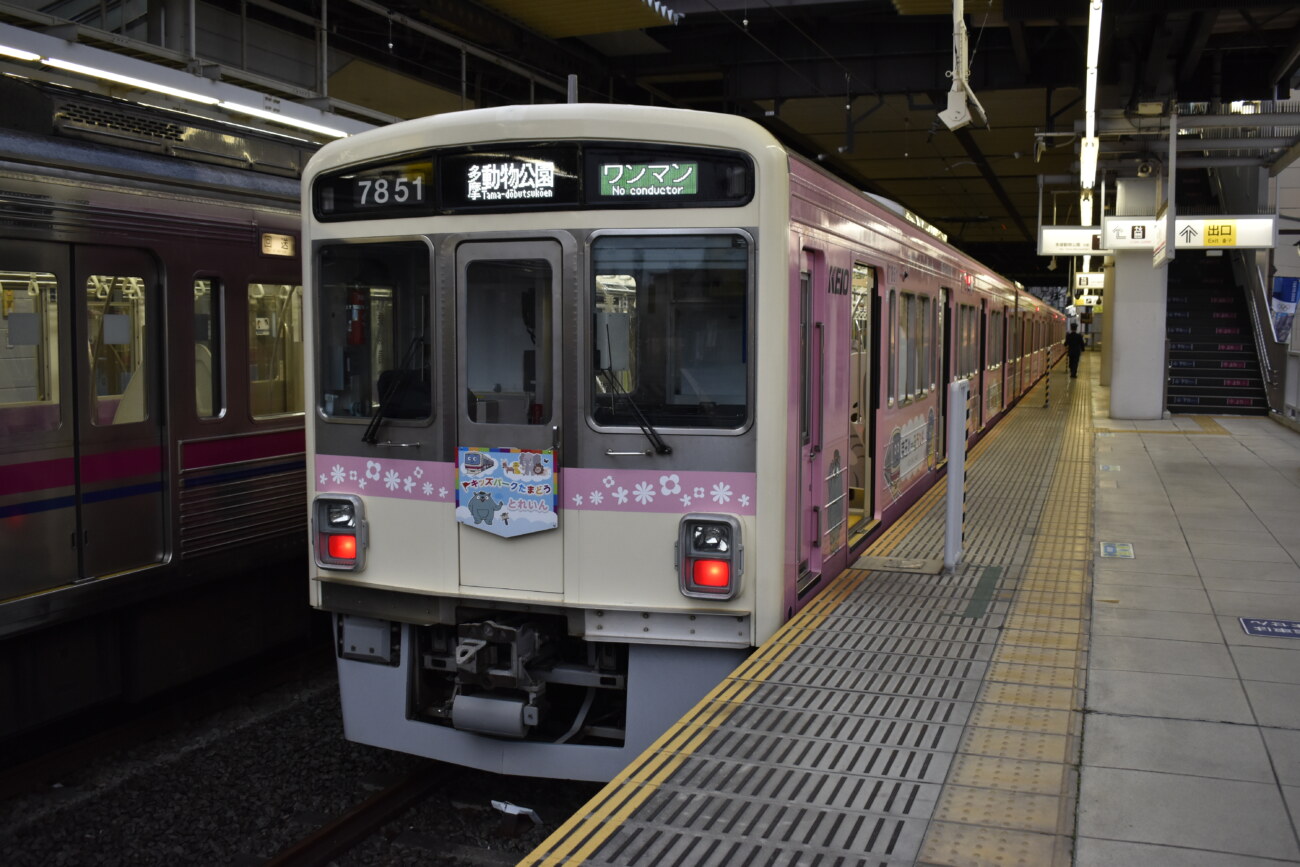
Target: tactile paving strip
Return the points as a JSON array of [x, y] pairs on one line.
[[902, 718]]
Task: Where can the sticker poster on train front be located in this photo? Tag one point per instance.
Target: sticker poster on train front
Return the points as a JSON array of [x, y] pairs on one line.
[[507, 492]]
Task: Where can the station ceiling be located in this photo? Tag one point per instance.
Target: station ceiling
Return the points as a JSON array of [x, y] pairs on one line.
[[855, 84]]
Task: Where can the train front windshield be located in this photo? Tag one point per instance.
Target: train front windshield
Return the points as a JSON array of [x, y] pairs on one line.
[[670, 329]]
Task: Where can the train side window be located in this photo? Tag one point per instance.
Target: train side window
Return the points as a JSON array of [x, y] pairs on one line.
[[209, 305], [29, 352], [274, 349], [116, 334], [372, 338], [671, 332]]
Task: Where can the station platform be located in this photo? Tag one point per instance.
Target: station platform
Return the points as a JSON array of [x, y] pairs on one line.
[[1081, 689]]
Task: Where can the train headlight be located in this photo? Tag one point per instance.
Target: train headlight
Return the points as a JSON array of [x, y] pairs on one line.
[[709, 556], [342, 536]]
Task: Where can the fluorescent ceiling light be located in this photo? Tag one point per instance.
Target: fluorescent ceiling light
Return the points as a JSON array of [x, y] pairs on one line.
[[128, 80], [18, 53], [1094, 33], [282, 119], [1088, 161]]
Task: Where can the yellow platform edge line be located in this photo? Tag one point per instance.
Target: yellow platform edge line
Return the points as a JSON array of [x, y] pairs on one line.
[[980, 761]]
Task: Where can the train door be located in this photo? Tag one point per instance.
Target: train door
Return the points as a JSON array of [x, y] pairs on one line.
[[981, 383], [38, 505], [119, 418], [809, 466], [944, 310], [863, 391], [509, 388]]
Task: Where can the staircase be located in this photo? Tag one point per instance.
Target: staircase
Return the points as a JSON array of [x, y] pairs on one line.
[[1213, 364]]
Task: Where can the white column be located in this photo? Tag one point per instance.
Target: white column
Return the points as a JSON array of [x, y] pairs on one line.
[[1104, 334], [1135, 311]]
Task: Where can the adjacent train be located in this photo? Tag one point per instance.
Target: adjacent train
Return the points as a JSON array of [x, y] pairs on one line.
[[598, 397], [151, 434]]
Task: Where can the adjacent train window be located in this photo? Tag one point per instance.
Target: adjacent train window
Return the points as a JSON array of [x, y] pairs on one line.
[[995, 340], [373, 341], [115, 333], [209, 396], [274, 349], [29, 343], [671, 330], [892, 374], [967, 340]]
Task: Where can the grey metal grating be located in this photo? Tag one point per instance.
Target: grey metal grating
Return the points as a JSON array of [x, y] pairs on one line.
[[839, 754]]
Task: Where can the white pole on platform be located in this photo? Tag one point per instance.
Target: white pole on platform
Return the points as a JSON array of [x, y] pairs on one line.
[[955, 525]]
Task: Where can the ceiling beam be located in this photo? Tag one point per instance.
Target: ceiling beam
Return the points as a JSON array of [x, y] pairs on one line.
[[991, 178]]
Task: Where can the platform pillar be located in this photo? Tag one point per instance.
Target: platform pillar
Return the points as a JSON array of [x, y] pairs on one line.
[[1136, 310]]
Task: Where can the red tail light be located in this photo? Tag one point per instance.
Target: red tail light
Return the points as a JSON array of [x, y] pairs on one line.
[[343, 547], [711, 573]]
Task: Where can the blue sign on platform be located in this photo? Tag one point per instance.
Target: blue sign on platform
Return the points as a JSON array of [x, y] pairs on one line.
[[1270, 628]]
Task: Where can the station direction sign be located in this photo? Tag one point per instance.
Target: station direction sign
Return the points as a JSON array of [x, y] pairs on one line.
[[1070, 241], [1085, 280], [1190, 233]]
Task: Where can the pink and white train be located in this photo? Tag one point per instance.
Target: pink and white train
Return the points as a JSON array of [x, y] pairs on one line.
[[599, 397]]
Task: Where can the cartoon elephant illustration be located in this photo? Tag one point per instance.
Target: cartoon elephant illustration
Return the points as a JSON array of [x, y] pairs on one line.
[[482, 507]]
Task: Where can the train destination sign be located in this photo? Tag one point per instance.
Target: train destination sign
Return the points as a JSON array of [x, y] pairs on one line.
[[534, 176]]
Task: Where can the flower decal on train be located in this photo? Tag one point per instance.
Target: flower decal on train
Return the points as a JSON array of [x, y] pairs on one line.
[[621, 495], [408, 484], [608, 481], [372, 470], [338, 474], [596, 498], [721, 493], [577, 499], [391, 479], [670, 484], [644, 493], [427, 489]]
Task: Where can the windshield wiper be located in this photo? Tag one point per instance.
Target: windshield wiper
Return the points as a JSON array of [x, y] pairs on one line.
[[660, 447], [396, 387]]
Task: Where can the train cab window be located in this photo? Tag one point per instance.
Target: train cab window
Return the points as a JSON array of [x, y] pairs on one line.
[[373, 341], [274, 349], [671, 330], [209, 396], [29, 342], [115, 332]]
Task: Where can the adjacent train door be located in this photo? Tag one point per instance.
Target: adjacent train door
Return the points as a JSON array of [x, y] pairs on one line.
[[509, 388], [81, 423], [119, 419]]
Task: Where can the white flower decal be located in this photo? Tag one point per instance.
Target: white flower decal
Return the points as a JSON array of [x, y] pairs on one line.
[[323, 477], [338, 474], [392, 480], [744, 500], [352, 475], [686, 500], [372, 470], [698, 493], [408, 484], [621, 495], [577, 499], [644, 493], [596, 498], [442, 493], [427, 489], [418, 473], [361, 484], [670, 484], [608, 481], [721, 493]]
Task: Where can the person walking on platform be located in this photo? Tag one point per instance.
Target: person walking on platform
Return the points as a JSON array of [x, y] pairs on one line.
[[1074, 348]]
